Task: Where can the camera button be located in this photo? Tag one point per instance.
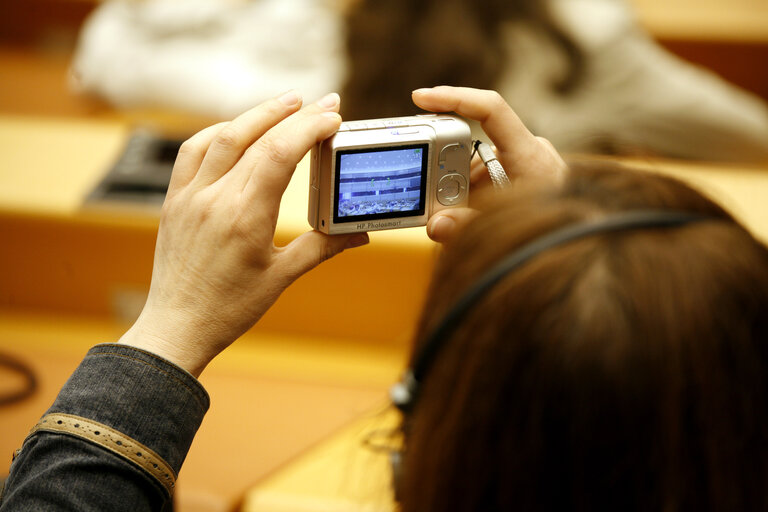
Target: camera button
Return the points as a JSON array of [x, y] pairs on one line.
[[405, 131], [451, 189], [448, 150], [357, 125]]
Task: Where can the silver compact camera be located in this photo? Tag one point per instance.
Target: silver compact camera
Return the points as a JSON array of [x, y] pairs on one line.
[[389, 173]]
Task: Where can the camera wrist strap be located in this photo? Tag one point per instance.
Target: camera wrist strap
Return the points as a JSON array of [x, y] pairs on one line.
[[495, 170]]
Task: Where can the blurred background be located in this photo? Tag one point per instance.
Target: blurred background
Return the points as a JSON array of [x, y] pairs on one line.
[[591, 75], [95, 97]]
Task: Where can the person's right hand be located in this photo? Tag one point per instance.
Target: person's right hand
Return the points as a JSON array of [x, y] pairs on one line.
[[216, 268], [522, 154]]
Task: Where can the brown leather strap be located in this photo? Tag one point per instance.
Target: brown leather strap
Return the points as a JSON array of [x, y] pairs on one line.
[[113, 441]]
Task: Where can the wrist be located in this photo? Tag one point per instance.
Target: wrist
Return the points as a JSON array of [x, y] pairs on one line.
[[181, 346]]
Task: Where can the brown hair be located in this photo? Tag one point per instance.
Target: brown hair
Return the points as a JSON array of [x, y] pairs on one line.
[[622, 371], [396, 46]]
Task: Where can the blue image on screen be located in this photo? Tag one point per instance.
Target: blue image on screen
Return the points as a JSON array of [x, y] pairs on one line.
[[381, 182]]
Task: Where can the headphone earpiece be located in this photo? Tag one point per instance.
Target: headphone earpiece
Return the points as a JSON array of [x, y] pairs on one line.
[[402, 394]]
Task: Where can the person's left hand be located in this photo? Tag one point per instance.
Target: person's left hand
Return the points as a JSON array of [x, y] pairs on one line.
[[216, 268], [523, 155]]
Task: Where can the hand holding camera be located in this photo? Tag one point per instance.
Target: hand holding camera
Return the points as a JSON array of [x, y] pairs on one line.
[[522, 154], [216, 268], [411, 171]]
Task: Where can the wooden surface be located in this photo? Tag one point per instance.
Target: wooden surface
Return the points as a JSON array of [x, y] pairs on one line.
[[106, 254], [48, 165], [272, 398], [705, 20], [342, 474], [743, 190]]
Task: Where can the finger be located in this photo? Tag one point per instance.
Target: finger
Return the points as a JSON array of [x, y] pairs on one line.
[[445, 224], [191, 154], [519, 151], [552, 160], [233, 139], [267, 167], [312, 248], [497, 118]]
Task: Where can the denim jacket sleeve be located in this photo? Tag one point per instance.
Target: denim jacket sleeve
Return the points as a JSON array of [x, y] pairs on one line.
[[114, 439]]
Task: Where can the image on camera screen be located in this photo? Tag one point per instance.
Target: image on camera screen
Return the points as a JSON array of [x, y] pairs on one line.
[[380, 183]]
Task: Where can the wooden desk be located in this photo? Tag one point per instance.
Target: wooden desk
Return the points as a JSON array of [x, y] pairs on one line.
[[105, 254], [730, 37], [705, 20], [741, 190], [272, 398], [341, 474]]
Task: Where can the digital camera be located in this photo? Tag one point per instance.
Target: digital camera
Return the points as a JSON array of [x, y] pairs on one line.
[[389, 173]]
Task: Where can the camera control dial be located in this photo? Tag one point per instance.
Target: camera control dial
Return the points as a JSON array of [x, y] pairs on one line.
[[451, 189]]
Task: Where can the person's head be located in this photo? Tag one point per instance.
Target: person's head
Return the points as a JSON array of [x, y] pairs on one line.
[[396, 46], [620, 371]]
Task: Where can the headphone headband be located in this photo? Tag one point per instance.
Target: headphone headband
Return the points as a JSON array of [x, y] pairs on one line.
[[403, 394]]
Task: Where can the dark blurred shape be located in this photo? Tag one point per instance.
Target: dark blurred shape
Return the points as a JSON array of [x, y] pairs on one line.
[[400, 45], [14, 365], [39, 22], [142, 172]]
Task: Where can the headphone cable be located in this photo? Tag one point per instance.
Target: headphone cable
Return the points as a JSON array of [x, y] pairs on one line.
[[17, 366]]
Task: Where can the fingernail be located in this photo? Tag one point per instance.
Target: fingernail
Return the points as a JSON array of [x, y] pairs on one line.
[[442, 228], [423, 90], [290, 98], [332, 115], [357, 241], [329, 100]]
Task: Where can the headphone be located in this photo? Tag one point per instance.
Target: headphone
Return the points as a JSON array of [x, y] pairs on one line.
[[404, 394]]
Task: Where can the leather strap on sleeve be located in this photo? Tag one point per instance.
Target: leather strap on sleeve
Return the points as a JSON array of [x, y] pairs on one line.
[[112, 440]]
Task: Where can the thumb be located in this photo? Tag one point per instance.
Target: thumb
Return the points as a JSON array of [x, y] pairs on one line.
[[444, 225], [313, 247]]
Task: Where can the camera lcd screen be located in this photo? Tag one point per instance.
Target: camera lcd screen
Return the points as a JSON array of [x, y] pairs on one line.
[[380, 183]]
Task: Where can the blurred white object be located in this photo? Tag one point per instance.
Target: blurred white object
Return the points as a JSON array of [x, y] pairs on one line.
[[211, 57], [634, 95]]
